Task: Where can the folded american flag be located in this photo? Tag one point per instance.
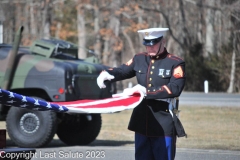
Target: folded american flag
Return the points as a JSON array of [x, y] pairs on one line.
[[118, 102]]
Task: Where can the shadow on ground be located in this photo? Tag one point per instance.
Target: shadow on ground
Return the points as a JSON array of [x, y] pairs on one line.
[[111, 143], [59, 143]]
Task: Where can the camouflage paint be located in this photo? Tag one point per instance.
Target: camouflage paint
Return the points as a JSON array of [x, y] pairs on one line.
[[50, 74], [6, 84]]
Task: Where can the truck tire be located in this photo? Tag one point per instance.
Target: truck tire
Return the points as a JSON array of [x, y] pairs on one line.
[[29, 128], [79, 129]]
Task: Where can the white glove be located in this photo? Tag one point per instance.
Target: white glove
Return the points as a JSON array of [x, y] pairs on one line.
[[137, 88], [102, 77]]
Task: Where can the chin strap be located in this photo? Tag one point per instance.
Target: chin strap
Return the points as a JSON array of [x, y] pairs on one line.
[[158, 52]]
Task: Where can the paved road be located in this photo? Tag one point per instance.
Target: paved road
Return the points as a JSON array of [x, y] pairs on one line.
[[122, 153], [114, 150], [209, 99], [127, 153]]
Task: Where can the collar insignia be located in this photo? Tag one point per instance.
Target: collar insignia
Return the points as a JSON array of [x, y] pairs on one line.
[[167, 72], [161, 72]]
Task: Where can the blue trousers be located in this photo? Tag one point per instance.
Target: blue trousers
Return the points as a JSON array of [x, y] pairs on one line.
[[154, 148]]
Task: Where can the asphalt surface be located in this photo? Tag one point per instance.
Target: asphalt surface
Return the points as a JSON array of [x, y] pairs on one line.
[[127, 153], [209, 99]]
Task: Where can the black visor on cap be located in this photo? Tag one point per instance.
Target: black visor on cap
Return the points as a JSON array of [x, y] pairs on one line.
[[151, 42]]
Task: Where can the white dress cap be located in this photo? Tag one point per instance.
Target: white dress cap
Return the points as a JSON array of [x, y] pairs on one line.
[[153, 33]]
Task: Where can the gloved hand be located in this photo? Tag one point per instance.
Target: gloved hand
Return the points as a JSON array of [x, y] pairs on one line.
[[102, 77], [138, 87]]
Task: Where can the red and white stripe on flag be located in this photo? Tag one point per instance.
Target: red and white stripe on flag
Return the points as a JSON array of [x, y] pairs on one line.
[[118, 102]]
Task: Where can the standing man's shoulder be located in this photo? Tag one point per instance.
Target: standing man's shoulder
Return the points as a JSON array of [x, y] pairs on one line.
[[174, 58], [142, 54]]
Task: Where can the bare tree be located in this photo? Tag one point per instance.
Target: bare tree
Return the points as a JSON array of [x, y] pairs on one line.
[[233, 68], [110, 27], [98, 43], [81, 30], [32, 22], [46, 18], [210, 29]]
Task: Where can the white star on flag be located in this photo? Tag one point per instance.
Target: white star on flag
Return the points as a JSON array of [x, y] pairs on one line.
[[36, 102], [48, 105], [11, 95], [61, 108], [24, 99], [116, 103]]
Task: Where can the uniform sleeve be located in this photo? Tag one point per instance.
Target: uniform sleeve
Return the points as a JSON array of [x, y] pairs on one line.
[[125, 71], [173, 88]]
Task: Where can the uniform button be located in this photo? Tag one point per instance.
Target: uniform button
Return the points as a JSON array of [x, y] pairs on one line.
[[154, 90], [152, 61], [149, 85], [162, 75], [150, 79], [151, 72], [157, 56], [139, 71], [153, 67], [148, 90], [166, 110]]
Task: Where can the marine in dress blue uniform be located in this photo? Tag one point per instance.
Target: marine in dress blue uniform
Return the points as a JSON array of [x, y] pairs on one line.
[[163, 76]]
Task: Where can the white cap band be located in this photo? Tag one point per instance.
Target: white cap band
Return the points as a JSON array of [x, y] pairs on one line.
[[153, 33]]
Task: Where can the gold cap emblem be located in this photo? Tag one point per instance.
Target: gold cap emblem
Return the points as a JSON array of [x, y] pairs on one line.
[[146, 33]]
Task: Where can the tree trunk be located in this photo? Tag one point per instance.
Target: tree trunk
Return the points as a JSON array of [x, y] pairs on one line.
[[81, 32], [200, 23], [185, 35], [209, 29], [26, 14], [129, 41], [46, 19], [105, 50], [59, 17], [33, 27], [97, 45], [233, 67], [115, 59]]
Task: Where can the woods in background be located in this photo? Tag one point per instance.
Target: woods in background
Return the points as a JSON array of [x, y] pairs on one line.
[[206, 33]]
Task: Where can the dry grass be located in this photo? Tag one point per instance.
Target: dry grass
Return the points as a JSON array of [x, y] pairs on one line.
[[114, 127], [207, 128], [211, 128]]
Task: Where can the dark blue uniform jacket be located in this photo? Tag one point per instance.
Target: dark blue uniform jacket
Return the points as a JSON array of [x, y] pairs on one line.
[[164, 77]]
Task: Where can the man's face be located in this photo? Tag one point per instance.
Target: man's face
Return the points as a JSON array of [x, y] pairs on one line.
[[153, 50]]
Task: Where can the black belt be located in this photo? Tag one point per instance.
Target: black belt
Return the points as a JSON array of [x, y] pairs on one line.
[[157, 105]]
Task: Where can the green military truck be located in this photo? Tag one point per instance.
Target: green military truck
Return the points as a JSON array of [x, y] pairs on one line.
[[50, 70]]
